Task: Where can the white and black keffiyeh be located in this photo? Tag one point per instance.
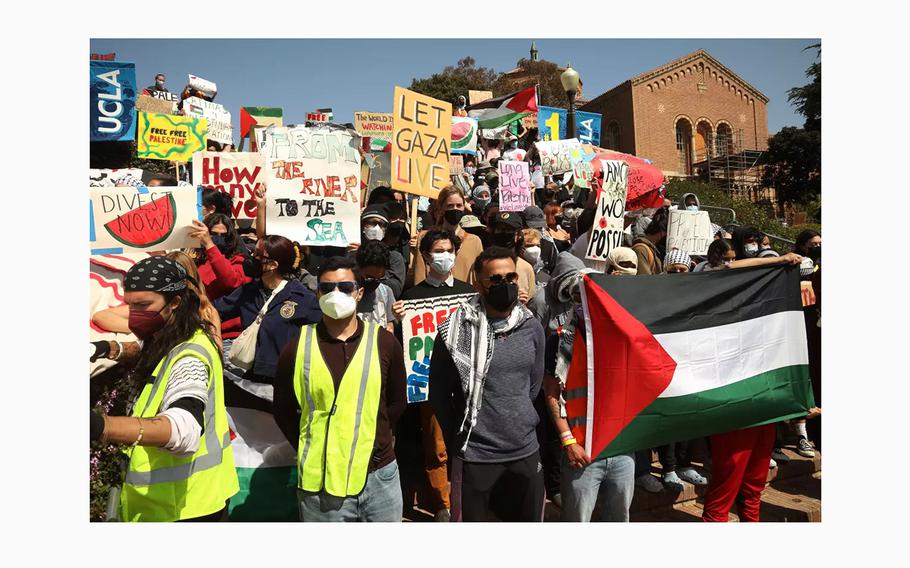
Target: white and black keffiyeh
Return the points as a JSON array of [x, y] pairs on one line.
[[469, 338], [155, 274]]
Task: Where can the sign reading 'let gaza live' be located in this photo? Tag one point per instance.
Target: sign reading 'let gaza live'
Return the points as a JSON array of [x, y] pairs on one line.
[[420, 143]]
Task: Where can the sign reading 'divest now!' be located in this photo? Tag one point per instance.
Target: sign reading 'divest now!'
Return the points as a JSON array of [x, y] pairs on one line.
[[420, 144]]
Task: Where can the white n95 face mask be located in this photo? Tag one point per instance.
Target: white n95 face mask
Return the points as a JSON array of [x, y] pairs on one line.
[[532, 254], [337, 305], [442, 262], [374, 233]]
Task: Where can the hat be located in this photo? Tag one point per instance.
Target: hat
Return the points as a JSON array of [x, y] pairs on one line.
[[480, 189], [484, 165], [534, 217], [511, 219], [155, 274], [491, 176], [470, 222], [375, 211], [676, 256]]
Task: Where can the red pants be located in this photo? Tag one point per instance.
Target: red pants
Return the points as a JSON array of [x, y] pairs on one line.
[[740, 462]]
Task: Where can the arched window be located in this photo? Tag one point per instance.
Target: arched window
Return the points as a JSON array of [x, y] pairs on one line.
[[612, 137], [724, 143], [684, 145], [703, 141]]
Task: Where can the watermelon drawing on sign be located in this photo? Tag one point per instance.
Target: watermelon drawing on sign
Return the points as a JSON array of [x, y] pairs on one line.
[[463, 133], [146, 226]]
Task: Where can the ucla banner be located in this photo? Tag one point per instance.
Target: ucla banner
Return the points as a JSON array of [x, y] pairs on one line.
[[551, 123], [112, 101]]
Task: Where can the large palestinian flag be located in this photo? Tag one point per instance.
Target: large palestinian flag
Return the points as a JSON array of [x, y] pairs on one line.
[[493, 113], [669, 358]]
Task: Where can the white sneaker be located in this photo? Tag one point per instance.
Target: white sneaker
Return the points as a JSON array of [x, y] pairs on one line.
[[689, 474], [649, 483], [804, 448]]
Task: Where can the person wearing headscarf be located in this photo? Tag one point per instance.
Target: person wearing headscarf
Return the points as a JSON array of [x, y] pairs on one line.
[[677, 261], [180, 461], [622, 261], [688, 202]]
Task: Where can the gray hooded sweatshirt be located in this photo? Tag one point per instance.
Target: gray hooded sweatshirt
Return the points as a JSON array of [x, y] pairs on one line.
[[546, 305]]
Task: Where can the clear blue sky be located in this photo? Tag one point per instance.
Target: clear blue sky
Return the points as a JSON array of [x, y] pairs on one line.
[[350, 75]]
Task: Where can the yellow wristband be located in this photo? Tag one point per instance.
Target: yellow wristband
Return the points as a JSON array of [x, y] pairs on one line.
[[141, 432], [569, 442]]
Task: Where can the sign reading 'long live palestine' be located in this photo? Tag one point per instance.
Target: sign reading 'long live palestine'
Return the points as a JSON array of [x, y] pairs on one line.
[[313, 178], [238, 174], [514, 193], [607, 232], [420, 144], [170, 137], [418, 329]]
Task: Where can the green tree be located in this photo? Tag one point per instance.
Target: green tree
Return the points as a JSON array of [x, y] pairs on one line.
[[543, 73], [793, 159], [455, 81]]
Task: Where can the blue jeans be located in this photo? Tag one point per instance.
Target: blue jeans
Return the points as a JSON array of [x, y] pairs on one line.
[[380, 501], [613, 479]]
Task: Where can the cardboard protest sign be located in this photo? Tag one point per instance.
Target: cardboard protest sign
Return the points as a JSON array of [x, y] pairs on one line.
[[112, 101], [108, 178], [556, 157], [582, 173], [259, 116], [128, 219], [313, 179], [475, 97], [552, 121], [529, 121], [514, 179], [375, 125], [317, 117], [239, 174], [155, 105], [208, 88], [170, 137], [162, 95], [418, 331], [464, 135], [380, 170], [217, 119], [456, 165], [420, 147], [689, 231], [607, 231]]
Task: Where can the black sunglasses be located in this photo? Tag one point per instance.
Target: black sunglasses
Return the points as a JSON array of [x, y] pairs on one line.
[[497, 279], [346, 287]]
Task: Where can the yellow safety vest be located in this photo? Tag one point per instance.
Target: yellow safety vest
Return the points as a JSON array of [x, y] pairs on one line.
[[161, 487], [337, 430]]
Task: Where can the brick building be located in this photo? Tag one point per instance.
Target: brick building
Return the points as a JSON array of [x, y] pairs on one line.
[[691, 116]]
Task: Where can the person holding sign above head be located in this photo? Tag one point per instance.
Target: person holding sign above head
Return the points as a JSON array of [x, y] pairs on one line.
[[339, 390], [449, 208], [485, 372], [178, 446]]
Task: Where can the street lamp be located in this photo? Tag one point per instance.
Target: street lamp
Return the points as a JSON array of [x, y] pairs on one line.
[[569, 79]]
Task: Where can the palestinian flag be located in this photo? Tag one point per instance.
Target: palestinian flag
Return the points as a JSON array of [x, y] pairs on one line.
[[493, 113], [256, 116], [667, 358]]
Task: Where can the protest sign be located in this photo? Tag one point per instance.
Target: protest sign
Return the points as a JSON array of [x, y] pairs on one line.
[[217, 118], [103, 56], [313, 179], [456, 165], [582, 173], [375, 125], [556, 157], [145, 103], [514, 178], [552, 121], [238, 174], [162, 95], [381, 170], [128, 219], [169, 137], [420, 147], [208, 88], [475, 97], [108, 178], [317, 117], [112, 101], [689, 231], [607, 231], [529, 121], [418, 330], [259, 116], [464, 135]]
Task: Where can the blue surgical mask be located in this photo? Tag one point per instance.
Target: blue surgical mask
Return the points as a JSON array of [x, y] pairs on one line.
[[692, 208]]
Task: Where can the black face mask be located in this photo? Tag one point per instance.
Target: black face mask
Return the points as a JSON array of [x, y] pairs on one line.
[[252, 268], [815, 253], [453, 216], [222, 244], [397, 232], [506, 240], [502, 297], [370, 284]]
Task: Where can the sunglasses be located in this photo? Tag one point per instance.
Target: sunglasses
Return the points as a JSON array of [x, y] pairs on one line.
[[346, 287], [498, 279]]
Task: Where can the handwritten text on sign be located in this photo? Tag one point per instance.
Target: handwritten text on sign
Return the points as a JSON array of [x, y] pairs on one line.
[[420, 143], [514, 194], [170, 137], [606, 234], [313, 176], [418, 328], [159, 219], [556, 157], [689, 231], [238, 174]]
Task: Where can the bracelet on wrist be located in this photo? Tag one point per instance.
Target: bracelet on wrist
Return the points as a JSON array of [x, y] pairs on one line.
[[568, 442]]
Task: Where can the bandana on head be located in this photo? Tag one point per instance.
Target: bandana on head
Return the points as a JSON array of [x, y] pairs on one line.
[[677, 256], [155, 274]]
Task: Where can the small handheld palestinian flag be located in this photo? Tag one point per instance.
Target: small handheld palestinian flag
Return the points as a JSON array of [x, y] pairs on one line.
[[493, 113], [668, 358], [258, 116]]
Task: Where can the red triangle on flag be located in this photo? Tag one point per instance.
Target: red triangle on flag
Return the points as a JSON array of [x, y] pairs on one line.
[[630, 366], [524, 101]]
